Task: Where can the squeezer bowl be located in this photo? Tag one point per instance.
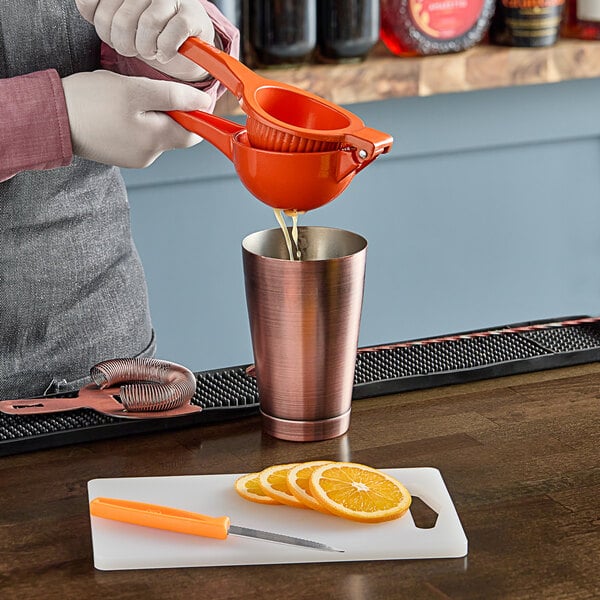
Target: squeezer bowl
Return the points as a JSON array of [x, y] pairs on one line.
[[299, 181], [264, 137], [288, 111]]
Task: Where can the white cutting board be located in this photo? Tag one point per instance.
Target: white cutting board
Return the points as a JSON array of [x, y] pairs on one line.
[[124, 546]]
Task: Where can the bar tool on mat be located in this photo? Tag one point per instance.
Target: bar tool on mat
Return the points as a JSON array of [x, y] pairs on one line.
[[151, 388]]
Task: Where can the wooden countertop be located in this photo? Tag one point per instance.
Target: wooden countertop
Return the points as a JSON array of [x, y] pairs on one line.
[[520, 456], [383, 76]]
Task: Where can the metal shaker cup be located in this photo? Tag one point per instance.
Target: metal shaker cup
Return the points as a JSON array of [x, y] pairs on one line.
[[304, 322]]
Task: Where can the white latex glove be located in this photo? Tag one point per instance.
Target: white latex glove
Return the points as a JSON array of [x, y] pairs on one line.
[[152, 30], [118, 120]]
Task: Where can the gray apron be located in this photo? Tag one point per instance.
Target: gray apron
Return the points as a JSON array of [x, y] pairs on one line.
[[72, 288]]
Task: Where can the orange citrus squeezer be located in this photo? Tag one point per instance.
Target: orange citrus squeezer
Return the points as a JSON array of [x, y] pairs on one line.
[[297, 151]]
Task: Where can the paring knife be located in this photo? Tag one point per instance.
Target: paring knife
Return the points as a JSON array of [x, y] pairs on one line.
[[183, 521]]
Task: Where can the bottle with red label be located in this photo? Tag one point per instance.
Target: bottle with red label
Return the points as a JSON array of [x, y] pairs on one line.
[[422, 27], [581, 20]]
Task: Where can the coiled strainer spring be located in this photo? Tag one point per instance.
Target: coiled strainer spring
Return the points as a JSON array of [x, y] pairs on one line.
[[152, 388]]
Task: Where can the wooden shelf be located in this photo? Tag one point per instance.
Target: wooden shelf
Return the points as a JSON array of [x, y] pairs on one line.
[[383, 76]]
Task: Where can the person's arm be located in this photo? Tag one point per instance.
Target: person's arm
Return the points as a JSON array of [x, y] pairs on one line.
[[34, 126], [35, 129], [227, 38]]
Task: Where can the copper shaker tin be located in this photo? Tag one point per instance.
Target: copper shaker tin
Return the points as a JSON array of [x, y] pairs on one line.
[[304, 322]]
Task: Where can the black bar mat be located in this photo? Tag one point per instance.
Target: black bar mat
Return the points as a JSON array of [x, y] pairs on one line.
[[231, 393]]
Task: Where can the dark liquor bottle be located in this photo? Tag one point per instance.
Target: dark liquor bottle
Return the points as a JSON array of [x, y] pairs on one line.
[[532, 23], [346, 29], [581, 20], [282, 32], [421, 27]]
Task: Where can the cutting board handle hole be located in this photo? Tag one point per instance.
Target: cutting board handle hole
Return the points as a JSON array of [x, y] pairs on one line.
[[423, 515]]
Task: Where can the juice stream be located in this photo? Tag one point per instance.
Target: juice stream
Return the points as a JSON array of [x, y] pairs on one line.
[[286, 234]]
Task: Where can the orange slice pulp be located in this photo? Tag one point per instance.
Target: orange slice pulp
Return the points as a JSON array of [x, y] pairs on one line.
[[273, 481], [359, 492], [248, 487], [297, 481]]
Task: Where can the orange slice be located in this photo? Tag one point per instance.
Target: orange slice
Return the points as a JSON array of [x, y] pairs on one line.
[[273, 481], [248, 487], [359, 493], [297, 482]]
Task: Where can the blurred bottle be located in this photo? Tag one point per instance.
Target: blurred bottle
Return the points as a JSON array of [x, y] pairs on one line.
[[346, 29], [421, 27], [581, 20], [282, 32], [531, 23]]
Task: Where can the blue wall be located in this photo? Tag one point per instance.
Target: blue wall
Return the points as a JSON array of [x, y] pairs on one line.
[[486, 212]]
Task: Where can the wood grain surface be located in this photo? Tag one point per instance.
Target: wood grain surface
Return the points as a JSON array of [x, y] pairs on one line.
[[383, 76], [520, 456]]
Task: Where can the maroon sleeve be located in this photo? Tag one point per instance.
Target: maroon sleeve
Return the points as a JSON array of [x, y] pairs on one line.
[[34, 126], [230, 41]]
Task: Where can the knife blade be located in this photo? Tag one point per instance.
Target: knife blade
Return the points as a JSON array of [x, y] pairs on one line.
[[183, 521]]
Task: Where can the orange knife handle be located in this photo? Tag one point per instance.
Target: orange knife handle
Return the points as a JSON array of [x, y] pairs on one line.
[[160, 517], [233, 74]]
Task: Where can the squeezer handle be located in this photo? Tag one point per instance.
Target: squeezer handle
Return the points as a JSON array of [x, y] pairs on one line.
[[233, 74], [218, 131]]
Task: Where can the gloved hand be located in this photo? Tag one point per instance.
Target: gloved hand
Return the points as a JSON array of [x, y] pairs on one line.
[[152, 31], [118, 120]]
